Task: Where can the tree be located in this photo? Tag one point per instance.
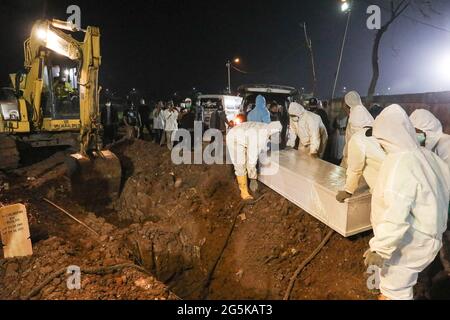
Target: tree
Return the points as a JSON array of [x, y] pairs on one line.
[[396, 11], [397, 8]]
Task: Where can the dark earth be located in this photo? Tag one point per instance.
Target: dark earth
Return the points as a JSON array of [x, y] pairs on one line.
[[177, 232]]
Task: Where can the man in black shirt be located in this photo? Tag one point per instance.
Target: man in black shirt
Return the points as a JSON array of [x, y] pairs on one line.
[[314, 106], [219, 119], [144, 113], [275, 114], [186, 121]]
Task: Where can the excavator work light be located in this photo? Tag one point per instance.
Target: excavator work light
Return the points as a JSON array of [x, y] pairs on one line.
[[42, 34]]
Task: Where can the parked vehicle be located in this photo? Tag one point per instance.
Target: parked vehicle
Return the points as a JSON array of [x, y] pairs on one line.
[[282, 95], [231, 105]]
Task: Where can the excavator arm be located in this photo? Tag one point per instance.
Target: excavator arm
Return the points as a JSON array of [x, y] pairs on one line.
[[92, 171]]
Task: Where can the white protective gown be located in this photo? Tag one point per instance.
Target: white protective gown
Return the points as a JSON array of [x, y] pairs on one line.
[[246, 142], [358, 119], [437, 140], [339, 138], [365, 157], [158, 119], [309, 129], [409, 205], [170, 120]]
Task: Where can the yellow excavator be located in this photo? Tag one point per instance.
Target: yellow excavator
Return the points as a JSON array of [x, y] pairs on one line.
[[57, 104]]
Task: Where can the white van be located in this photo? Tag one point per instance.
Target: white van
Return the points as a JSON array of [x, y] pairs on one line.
[[282, 95], [231, 105]]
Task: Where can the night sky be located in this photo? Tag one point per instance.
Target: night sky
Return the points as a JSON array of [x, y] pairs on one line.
[[165, 46]]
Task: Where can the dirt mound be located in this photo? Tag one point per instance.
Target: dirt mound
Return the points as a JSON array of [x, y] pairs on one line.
[[189, 211], [184, 226]]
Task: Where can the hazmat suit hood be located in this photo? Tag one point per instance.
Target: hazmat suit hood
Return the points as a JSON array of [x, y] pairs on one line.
[[359, 117], [353, 99], [296, 109], [260, 113], [261, 103], [395, 131], [426, 121]]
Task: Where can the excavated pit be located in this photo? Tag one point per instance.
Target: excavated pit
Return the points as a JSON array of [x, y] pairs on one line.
[[185, 215], [187, 227], [196, 237]]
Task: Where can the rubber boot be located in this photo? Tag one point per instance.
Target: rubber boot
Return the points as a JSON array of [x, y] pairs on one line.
[[243, 186]]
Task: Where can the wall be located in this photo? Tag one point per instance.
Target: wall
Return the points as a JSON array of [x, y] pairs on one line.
[[436, 102]]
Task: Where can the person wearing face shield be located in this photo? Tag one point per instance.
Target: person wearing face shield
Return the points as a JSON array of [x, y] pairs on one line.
[[245, 144], [359, 118], [309, 128], [409, 206], [260, 113]]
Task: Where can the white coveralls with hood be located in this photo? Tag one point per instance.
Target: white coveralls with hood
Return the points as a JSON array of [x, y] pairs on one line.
[[245, 143], [365, 157], [409, 206], [359, 118], [437, 141], [309, 128]]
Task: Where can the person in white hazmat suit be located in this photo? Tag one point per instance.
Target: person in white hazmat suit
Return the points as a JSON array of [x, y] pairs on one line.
[[359, 118], [435, 140], [409, 206], [245, 143], [309, 128], [438, 142], [365, 157]]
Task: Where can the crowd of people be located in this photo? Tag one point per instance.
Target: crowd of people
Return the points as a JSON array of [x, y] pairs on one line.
[[160, 122], [404, 160]]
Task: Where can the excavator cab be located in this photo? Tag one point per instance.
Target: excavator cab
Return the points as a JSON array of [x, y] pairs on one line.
[[60, 95]]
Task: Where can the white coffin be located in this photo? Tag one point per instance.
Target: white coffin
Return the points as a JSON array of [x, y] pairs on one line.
[[312, 184]]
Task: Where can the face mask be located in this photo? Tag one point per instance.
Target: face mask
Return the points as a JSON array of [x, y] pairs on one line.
[[422, 138], [295, 118], [108, 105]]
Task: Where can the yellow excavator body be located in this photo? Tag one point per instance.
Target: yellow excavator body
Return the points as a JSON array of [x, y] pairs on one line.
[[57, 103]]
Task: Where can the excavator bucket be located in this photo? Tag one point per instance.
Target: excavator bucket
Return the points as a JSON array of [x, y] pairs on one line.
[[96, 179]]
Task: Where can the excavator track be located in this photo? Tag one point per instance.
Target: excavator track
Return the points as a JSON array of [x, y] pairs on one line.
[[9, 154]]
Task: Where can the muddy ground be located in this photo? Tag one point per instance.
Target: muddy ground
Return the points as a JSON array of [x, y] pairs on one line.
[[181, 232]]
